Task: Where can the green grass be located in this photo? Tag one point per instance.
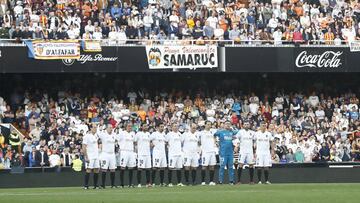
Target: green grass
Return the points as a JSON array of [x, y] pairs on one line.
[[287, 193]]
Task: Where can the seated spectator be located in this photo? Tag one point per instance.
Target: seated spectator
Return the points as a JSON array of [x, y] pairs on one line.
[[299, 156]]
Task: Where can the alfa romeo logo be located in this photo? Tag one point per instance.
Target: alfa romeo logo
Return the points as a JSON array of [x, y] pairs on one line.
[[68, 62]]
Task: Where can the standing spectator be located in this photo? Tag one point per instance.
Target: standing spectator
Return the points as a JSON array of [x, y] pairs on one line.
[[299, 156], [324, 152], [41, 158], [54, 159]]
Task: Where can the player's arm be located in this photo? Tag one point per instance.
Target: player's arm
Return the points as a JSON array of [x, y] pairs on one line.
[[100, 143], [151, 140], [236, 146], [84, 146]]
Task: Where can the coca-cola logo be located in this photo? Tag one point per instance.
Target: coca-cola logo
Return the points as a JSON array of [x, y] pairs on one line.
[[328, 59], [85, 58]]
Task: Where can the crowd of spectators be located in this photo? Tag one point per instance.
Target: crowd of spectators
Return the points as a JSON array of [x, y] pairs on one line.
[[308, 127], [275, 21]]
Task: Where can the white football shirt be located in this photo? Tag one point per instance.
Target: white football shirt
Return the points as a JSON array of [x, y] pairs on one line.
[[246, 140], [158, 140], [263, 140], [92, 147], [190, 142], [143, 143], [207, 141], [108, 142], [174, 141], [126, 140]]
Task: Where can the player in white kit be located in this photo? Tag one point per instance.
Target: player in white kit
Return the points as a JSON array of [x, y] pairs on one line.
[[142, 139], [127, 154], [159, 153], [263, 152], [208, 153], [191, 150], [246, 153], [90, 147], [173, 139], [107, 160]]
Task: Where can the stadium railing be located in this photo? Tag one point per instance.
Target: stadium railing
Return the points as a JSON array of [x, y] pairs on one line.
[[228, 43]]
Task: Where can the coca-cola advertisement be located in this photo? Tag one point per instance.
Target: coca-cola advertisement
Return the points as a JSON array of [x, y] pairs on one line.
[[319, 59]]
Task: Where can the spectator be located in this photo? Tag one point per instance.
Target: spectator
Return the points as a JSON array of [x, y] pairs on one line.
[[41, 158], [290, 157], [54, 159], [299, 156], [324, 152]]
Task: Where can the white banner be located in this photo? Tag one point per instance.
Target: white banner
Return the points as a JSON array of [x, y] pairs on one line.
[[92, 46], [190, 57], [61, 1], [354, 46], [67, 49]]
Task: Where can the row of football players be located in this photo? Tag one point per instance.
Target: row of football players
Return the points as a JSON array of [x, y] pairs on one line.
[[183, 151]]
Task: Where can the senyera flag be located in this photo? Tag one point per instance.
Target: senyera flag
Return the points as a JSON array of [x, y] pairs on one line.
[[50, 50], [177, 57]]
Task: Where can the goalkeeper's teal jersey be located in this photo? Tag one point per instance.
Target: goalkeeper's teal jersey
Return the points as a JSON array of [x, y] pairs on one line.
[[225, 142]]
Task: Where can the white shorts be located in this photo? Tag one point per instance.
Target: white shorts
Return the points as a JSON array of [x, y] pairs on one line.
[[108, 161], [144, 161], [246, 158], [127, 159], [94, 163], [263, 160], [175, 162], [191, 160], [208, 159], [159, 161]]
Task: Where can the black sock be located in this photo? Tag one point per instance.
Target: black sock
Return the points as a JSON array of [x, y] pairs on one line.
[[112, 178], [131, 176], [96, 177], [193, 176], [103, 178], [212, 173], [170, 177], [87, 176], [139, 176], [251, 172], [162, 175], [203, 174], [259, 172], [147, 174], [178, 174], [122, 173], [153, 175], [239, 174], [187, 174], [266, 172]]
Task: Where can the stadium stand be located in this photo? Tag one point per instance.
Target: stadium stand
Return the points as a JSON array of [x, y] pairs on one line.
[[242, 21], [310, 121]]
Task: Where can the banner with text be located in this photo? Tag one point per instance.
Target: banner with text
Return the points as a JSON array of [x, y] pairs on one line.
[[324, 59], [50, 50], [182, 57], [91, 46]]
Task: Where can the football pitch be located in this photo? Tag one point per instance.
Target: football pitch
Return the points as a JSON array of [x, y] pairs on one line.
[[299, 193]]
